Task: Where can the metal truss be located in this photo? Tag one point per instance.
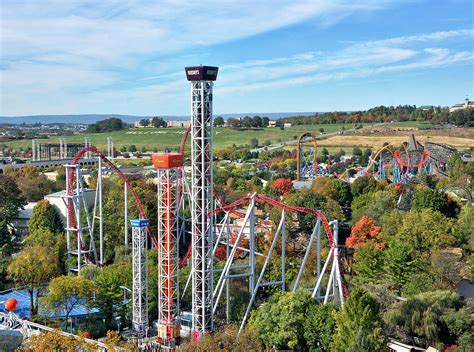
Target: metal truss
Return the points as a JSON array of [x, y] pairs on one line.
[[332, 289], [80, 237], [140, 277], [202, 205], [306, 165], [168, 257]]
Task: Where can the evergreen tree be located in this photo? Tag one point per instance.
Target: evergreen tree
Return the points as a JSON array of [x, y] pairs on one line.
[[45, 217], [358, 325]]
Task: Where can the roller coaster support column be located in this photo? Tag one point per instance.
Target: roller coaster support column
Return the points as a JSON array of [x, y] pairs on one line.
[[201, 78], [252, 245], [168, 166], [75, 201], [280, 230], [101, 219], [125, 196], [140, 277]]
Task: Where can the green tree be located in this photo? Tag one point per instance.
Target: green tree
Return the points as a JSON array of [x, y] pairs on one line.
[[310, 199], [466, 226], [363, 185], [280, 322], [257, 121], [32, 268], [374, 204], [32, 183], [158, 122], [233, 122], [107, 125], [357, 154], [368, 262], [254, 143], [219, 121], [358, 325], [109, 295], [426, 230], [344, 195], [247, 122], [427, 198], [144, 122], [431, 317], [400, 262], [132, 148], [319, 327], [458, 171], [5, 258], [68, 292], [54, 242], [45, 217], [11, 201]]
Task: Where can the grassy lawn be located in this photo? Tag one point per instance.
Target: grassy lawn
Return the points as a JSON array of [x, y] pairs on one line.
[[171, 137], [151, 138]]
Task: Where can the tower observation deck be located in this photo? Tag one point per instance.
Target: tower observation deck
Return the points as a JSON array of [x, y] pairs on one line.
[[201, 78]]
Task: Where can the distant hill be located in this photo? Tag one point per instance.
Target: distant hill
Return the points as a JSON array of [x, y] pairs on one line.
[[92, 118]]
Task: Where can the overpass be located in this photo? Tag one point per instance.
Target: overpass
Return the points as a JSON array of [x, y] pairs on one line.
[[48, 163]]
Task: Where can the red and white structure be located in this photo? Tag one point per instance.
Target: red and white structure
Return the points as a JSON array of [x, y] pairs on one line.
[[168, 170], [201, 78]]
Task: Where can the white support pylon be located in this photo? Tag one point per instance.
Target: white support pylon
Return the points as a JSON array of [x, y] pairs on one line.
[[140, 277]]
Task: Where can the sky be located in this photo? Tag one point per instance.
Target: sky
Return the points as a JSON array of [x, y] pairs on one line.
[[128, 57]]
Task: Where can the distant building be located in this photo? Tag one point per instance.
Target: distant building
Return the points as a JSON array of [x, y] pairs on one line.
[[467, 104], [272, 123], [172, 123], [20, 223], [287, 124], [426, 107], [179, 123]]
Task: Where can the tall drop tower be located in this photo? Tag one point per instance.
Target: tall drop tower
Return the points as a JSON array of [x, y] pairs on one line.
[[201, 78], [168, 168]]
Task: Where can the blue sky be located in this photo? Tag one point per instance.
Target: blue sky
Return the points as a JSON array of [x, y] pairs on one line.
[[127, 57]]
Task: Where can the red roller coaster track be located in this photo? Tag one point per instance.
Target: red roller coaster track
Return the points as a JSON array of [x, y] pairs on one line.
[[230, 207], [263, 199], [120, 174]]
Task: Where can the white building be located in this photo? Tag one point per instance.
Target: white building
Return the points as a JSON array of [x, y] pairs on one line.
[[179, 123], [171, 123], [467, 104], [57, 199]]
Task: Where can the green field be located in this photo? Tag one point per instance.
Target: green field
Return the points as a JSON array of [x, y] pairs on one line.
[[171, 137], [162, 138]]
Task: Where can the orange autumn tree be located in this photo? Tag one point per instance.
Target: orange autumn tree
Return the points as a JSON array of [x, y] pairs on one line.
[[283, 186], [221, 249], [364, 231]]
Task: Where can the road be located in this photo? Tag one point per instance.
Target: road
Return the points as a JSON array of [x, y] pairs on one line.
[[318, 137]]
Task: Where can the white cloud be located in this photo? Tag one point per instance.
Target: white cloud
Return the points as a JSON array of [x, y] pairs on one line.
[[79, 55]]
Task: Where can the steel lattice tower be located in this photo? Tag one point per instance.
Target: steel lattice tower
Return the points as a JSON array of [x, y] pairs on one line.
[[140, 276], [81, 249], [168, 169], [202, 78]]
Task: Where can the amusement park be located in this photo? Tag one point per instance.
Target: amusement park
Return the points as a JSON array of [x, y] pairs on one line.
[[205, 254]]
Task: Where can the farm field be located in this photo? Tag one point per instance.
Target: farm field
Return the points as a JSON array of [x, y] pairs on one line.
[[378, 141]]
